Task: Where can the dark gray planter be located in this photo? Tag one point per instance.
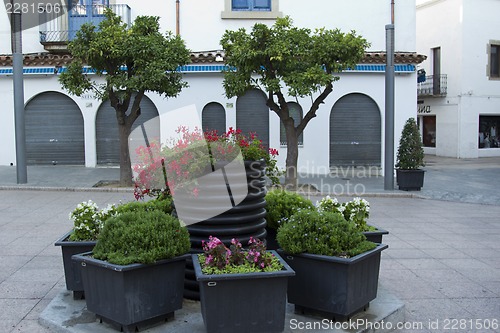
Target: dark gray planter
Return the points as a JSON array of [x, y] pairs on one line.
[[375, 236], [331, 286], [245, 220], [133, 296], [253, 302], [410, 180], [72, 273]]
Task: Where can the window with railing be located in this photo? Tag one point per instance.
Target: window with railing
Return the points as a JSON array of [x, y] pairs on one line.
[[433, 85]]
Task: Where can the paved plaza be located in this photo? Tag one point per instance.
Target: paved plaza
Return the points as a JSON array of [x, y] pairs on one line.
[[443, 259]]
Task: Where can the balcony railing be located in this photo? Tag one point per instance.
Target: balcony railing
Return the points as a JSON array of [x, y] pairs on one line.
[[59, 30], [434, 85]]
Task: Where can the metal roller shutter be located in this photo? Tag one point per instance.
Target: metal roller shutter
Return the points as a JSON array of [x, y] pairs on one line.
[[108, 140], [355, 132], [54, 130], [252, 114], [213, 117]]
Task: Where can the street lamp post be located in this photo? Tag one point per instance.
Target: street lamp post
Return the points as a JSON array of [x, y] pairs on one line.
[[17, 69], [389, 105]]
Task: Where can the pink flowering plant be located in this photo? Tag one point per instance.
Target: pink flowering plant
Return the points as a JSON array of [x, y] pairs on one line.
[[219, 259], [162, 168]]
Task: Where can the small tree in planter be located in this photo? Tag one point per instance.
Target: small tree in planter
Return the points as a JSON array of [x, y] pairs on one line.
[[410, 158], [241, 290], [336, 268], [135, 275]]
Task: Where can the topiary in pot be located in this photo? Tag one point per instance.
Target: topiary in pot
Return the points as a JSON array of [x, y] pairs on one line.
[[336, 268], [410, 158], [282, 204], [135, 275]]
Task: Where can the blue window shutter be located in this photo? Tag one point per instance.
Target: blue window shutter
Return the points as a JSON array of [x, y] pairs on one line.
[[262, 5], [241, 5]]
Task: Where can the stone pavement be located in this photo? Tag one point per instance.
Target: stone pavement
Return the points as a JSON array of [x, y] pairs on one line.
[[443, 259]]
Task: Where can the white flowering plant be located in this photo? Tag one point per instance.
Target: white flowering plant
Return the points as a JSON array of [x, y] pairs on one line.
[[356, 211], [88, 220]]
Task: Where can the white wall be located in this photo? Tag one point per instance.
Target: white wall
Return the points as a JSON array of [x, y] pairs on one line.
[[463, 37]]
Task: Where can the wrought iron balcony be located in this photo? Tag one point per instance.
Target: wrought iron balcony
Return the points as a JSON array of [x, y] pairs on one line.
[[59, 30], [434, 85]]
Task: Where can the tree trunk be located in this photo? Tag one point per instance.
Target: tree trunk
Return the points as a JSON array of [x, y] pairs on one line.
[[125, 165], [292, 155]]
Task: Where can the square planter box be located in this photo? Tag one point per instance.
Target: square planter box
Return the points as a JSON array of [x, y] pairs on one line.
[[410, 180], [134, 295], [72, 272], [333, 286], [375, 236], [253, 302]]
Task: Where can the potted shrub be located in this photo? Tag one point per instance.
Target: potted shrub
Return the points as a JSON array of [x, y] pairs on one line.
[[336, 268], [241, 290], [410, 158], [356, 211], [135, 274], [281, 204], [88, 221]]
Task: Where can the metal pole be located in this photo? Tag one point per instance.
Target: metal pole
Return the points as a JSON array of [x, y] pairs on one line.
[[17, 69], [389, 110]]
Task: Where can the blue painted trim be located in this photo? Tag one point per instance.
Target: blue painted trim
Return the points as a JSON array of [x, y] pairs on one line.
[[209, 68]]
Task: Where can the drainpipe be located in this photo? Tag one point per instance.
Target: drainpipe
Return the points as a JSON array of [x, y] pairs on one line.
[[177, 19], [392, 11]]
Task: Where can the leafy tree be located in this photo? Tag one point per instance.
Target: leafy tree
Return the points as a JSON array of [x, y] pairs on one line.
[[283, 57], [132, 60]]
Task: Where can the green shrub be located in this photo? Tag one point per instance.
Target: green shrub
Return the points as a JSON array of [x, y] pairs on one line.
[[283, 204], [163, 204], [141, 237], [410, 151], [322, 233]]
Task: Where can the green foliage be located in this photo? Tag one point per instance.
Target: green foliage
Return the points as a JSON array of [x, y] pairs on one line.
[[410, 151], [282, 204], [303, 60], [163, 204], [151, 58], [322, 233], [141, 237]]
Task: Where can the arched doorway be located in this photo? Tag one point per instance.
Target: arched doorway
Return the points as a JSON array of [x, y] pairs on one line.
[[54, 130], [213, 117], [252, 114], [107, 137], [355, 132]]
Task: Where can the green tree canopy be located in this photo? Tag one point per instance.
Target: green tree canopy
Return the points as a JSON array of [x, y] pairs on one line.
[[125, 63], [286, 60]]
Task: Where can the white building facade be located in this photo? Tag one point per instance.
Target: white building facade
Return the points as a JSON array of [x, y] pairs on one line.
[[348, 129], [459, 103]]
